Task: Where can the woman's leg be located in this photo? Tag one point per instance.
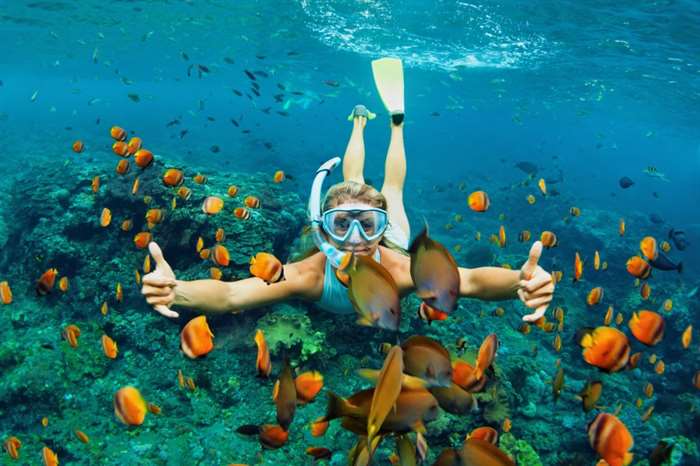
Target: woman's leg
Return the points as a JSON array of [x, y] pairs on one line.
[[354, 158], [394, 177]]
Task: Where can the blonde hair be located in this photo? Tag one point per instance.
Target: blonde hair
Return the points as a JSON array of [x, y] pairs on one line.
[[349, 191]]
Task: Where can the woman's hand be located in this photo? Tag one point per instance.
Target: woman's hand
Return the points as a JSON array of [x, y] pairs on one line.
[[536, 285], [158, 286]]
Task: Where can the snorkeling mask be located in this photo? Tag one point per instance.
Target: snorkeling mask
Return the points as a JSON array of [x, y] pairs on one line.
[[340, 222]]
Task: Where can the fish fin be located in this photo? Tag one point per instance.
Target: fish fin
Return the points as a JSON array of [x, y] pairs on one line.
[[627, 459], [370, 374], [364, 322]]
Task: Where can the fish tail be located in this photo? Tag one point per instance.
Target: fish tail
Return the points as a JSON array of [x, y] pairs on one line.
[[336, 407]]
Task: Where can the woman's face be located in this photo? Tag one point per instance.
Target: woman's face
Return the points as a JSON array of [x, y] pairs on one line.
[[356, 243]]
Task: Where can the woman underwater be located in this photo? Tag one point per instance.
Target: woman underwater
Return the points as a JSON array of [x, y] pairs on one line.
[[353, 217]]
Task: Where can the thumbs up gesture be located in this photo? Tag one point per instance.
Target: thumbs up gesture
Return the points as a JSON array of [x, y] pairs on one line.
[[158, 286], [536, 285]]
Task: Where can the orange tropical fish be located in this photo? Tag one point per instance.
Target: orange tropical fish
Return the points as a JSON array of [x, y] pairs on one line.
[[668, 305], [232, 190], [154, 216], [549, 239], [610, 438], [78, 146], [463, 375], [122, 167], [104, 308], [502, 236], [645, 290], [219, 236], [263, 364], [200, 244], [212, 205], [575, 211], [119, 293], [137, 277], [5, 292], [135, 186], [652, 358], [530, 199], [147, 263], [133, 145], [142, 239], [596, 260], [49, 457], [696, 380], [429, 314], [173, 177], [507, 424], [478, 201], [63, 284], [109, 347], [665, 246], [205, 253], [45, 283], [129, 406], [242, 213], [44, 421], [308, 384], [120, 148], [12, 446], [117, 133], [485, 433], [608, 316], [272, 436], [199, 178], [578, 267], [143, 158], [649, 248], [196, 338], [595, 296], [95, 184], [634, 360], [687, 337], [660, 367], [82, 436], [71, 334], [278, 177], [127, 225], [184, 192], [647, 414], [105, 217], [605, 348], [319, 427], [252, 202], [266, 267], [220, 255], [215, 273], [649, 390], [153, 409], [543, 186], [619, 318], [621, 227], [638, 267], [524, 236], [557, 343], [647, 327]]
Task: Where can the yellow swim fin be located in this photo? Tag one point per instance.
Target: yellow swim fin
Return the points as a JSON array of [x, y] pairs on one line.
[[388, 77]]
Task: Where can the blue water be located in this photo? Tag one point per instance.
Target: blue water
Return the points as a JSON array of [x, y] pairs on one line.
[[590, 90]]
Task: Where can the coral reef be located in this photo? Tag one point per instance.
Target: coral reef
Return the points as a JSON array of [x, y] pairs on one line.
[[287, 327]]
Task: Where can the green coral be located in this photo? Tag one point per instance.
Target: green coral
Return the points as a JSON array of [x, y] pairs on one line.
[[683, 450], [288, 326], [521, 451]]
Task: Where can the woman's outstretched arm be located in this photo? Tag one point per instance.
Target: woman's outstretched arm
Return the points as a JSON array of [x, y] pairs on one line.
[[162, 290]]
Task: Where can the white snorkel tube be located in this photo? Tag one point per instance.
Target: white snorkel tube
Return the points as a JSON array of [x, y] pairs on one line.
[[337, 258]]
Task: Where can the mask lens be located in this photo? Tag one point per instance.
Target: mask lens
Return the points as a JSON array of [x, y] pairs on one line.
[[339, 223]]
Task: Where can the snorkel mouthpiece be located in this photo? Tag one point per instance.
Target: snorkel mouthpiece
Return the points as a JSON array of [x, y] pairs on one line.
[[337, 258]]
